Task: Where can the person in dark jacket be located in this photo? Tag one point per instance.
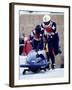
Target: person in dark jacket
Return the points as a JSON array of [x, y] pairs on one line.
[[36, 38], [52, 38]]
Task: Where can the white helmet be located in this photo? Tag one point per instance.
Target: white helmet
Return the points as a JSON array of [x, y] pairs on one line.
[[46, 18]]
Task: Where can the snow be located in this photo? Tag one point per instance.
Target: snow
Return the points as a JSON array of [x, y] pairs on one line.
[[58, 72], [42, 74], [23, 59]]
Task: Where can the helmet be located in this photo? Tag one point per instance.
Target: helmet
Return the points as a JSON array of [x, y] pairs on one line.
[[38, 28], [46, 18]]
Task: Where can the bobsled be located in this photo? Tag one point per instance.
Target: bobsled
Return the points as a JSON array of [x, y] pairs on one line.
[[35, 62]]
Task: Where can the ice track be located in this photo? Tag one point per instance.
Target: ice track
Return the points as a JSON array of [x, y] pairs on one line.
[[56, 73]]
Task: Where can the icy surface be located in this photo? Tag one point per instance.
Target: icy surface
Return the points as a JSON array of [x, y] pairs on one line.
[[42, 74], [56, 73]]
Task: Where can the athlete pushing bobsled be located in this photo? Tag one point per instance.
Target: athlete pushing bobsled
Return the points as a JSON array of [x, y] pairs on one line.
[[36, 59], [52, 39]]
